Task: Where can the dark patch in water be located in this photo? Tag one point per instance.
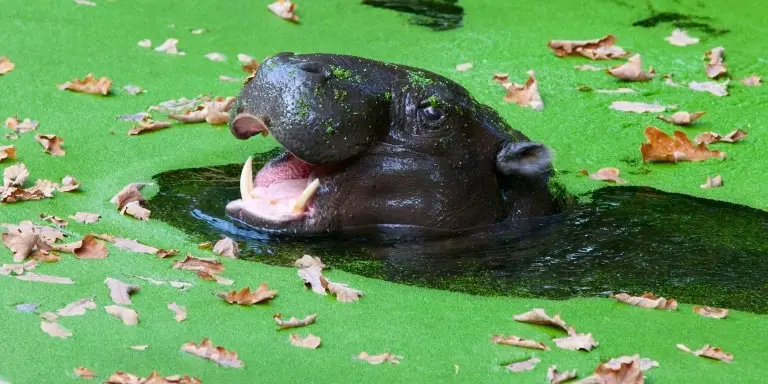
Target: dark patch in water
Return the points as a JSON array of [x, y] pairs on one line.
[[626, 239], [682, 21], [438, 15]]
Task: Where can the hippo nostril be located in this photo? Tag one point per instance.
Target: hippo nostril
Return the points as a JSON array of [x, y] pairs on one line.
[[284, 54], [246, 125], [313, 67]]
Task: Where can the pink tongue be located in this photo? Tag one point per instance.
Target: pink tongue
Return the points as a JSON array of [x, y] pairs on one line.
[[282, 190], [288, 168]]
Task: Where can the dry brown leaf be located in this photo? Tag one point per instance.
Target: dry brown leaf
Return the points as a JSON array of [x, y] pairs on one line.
[[50, 316], [133, 89], [632, 70], [226, 247], [284, 9], [343, 292], [24, 126], [179, 312], [310, 342], [55, 220], [308, 261], [169, 47], [21, 244], [17, 269], [713, 312], [219, 354], [127, 315], [250, 68], [539, 317], [52, 144], [526, 95], [518, 342], [294, 322], [556, 377], [88, 85], [119, 291], [146, 125], [155, 377], [713, 182], [182, 285], [680, 38], [6, 65], [54, 329], [663, 148], [191, 263], [243, 58], [135, 210], [637, 107], [597, 49], [464, 67], [180, 105], [77, 308], [134, 246], [622, 370], [85, 373], [752, 80], [7, 152], [313, 278], [716, 66], [714, 137], [576, 342], [129, 194], [607, 174], [682, 117], [525, 365], [213, 112], [215, 56], [709, 351], [86, 217], [647, 300], [68, 184], [380, 358], [246, 297], [15, 175], [713, 87], [218, 278]]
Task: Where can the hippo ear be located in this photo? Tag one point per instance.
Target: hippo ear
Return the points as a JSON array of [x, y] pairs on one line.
[[245, 125], [524, 158]]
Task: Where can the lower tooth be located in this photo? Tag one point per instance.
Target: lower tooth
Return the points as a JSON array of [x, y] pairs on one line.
[[301, 202]]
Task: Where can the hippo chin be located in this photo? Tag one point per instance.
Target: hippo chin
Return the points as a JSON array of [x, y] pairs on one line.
[[374, 145]]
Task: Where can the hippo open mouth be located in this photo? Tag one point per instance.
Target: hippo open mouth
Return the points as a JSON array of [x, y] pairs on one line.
[[371, 144]]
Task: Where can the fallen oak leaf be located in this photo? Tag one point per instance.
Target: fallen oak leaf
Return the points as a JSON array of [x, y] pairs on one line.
[[45, 187], [680, 38], [55, 220], [752, 81], [17, 269], [294, 322], [713, 182], [7, 152], [213, 112], [50, 316], [226, 247], [709, 351], [119, 291], [87, 248], [707, 311], [24, 240], [343, 292], [52, 144], [14, 195], [647, 300], [518, 342], [84, 372], [638, 107], [215, 277], [313, 278], [146, 124], [86, 217], [713, 87], [197, 264], [621, 370], [714, 137], [607, 174], [24, 126], [522, 366], [134, 246], [380, 358], [682, 117], [246, 297], [310, 342], [68, 184], [15, 175], [88, 85], [576, 342], [596, 49], [127, 315], [308, 261], [539, 317], [556, 377], [155, 377], [136, 211], [663, 148], [632, 70], [169, 47], [525, 95], [219, 355], [129, 194], [586, 88], [179, 312], [54, 329], [182, 285], [6, 65], [77, 308], [179, 105], [716, 67], [284, 9]]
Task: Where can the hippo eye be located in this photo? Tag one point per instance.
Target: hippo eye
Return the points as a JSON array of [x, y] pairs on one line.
[[432, 113]]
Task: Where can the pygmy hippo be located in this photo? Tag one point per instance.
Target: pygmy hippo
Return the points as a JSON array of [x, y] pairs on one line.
[[373, 145]]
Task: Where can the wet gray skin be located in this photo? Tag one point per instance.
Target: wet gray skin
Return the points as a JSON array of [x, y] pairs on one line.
[[390, 146]]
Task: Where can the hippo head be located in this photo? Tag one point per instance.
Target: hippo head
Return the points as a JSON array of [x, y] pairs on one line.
[[370, 144]]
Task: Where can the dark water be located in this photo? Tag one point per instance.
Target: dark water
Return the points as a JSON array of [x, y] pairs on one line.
[[681, 21], [626, 239], [439, 15]]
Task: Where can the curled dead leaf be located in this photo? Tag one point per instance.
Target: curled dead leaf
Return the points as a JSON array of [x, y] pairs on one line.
[[464, 67], [680, 38], [77, 308], [663, 148], [7, 152], [219, 354], [710, 352], [713, 87], [146, 125], [23, 240], [55, 220], [15, 175], [294, 322], [213, 112], [68, 184], [596, 49], [6, 65], [52, 144], [608, 174], [752, 81], [647, 300], [127, 315], [637, 107], [135, 210], [89, 85], [380, 358], [525, 365], [518, 342], [632, 70], [714, 137], [682, 117], [308, 261], [556, 377], [525, 95], [86, 217], [226, 247], [284, 9], [310, 342], [246, 297], [119, 291], [179, 312], [155, 377], [17, 269], [87, 248], [54, 329], [180, 105], [716, 65], [706, 311], [313, 278], [214, 277], [343, 292], [621, 370], [85, 373], [539, 317], [576, 342], [191, 263], [169, 46], [713, 182], [129, 194], [24, 126]]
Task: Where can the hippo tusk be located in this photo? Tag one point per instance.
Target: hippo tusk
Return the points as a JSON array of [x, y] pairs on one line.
[[246, 180], [301, 202]]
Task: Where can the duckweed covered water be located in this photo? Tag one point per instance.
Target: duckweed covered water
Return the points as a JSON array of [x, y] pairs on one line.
[[626, 239]]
